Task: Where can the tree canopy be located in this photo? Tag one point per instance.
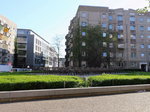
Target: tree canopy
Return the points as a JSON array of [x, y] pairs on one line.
[[145, 9]]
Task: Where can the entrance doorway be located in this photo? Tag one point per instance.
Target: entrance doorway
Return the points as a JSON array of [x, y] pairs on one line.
[[143, 67]]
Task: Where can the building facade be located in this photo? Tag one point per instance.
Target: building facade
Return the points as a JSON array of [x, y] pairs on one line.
[[8, 30], [133, 34], [33, 51]]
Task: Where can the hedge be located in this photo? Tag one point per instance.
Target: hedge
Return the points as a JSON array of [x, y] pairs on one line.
[[22, 81], [11, 81], [113, 80]]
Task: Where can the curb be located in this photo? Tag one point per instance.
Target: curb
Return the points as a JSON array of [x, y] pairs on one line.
[[27, 95]]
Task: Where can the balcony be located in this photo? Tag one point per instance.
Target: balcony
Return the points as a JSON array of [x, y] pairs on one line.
[[120, 36], [1, 50], [121, 46], [22, 48], [133, 37], [22, 55], [5, 46]]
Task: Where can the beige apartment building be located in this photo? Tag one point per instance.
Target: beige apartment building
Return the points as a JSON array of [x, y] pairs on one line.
[[8, 32], [133, 34]]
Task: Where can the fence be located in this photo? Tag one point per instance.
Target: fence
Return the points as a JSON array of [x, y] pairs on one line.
[[82, 71]]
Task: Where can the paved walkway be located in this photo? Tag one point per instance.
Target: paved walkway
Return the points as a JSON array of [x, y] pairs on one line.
[[133, 102]]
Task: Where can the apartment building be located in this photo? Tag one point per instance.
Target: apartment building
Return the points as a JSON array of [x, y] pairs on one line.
[[34, 51], [133, 34], [7, 38]]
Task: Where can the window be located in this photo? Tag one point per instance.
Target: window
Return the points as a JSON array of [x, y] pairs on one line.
[[21, 32], [132, 14], [83, 44], [71, 54], [111, 54], [120, 36], [83, 63], [36, 41], [110, 18], [104, 54], [120, 27], [149, 46], [83, 33], [36, 48], [21, 45], [132, 27], [120, 18], [132, 18], [104, 34], [148, 28], [104, 25], [83, 54], [133, 64], [141, 36], [119, 54], [104, 16], [133, 46], [142, 45], [141, 19], [141, 28], [148, 20], [142, 54], [110, 26], [133, 54], [22, 38], [110, 45], [22, 60], [21, 52], [84, 14], [84, 24], [133, 36], [104, 44]]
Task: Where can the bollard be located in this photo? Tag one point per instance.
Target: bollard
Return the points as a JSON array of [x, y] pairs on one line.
[[64, 84]]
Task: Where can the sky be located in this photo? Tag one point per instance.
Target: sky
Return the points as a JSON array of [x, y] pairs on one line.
[[51, 18]]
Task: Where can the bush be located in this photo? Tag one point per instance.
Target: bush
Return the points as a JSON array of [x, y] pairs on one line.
[[14, 81], [113, 80]]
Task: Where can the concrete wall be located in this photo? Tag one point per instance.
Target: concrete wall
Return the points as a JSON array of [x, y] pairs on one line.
[[10, 96]]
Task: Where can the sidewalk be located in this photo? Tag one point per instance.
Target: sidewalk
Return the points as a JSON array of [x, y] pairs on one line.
[[133, 102]]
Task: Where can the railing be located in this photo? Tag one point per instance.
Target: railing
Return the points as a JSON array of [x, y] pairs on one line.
[[83, 71], [121, 46]]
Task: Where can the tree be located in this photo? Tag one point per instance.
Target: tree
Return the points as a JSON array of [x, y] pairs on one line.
[[145, 9], [76, 49], [94, 48], [58, 46]]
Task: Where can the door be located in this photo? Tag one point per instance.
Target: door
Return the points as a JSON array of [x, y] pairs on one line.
[[143, 67]]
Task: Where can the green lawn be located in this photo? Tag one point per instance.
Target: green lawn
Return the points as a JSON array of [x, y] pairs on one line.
[[21, 81]]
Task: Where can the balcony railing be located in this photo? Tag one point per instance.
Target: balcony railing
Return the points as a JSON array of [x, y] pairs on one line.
[[22, 55], [121, 46]]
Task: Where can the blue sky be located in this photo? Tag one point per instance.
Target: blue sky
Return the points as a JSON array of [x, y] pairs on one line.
[[49, 18]]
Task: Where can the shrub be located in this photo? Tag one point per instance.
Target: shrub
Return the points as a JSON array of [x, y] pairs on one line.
[[14, 81], [113, 80]]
